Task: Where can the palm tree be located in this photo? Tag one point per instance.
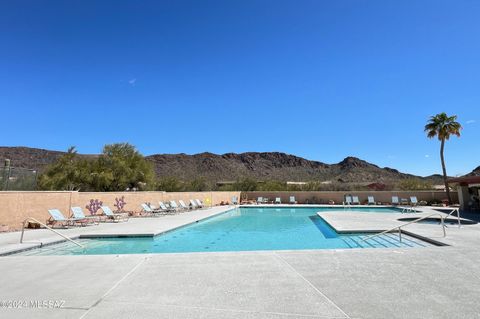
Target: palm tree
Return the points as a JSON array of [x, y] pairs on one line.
[[442, 126]]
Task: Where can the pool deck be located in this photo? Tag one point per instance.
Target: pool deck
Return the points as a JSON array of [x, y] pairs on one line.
[[432, 282]]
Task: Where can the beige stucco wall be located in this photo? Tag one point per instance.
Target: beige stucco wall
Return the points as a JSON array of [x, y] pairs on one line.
[[324, 197], [16, 206]]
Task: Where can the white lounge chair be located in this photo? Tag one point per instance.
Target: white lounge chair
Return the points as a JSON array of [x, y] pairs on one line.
[[278, 200], [260, 200], [234, 200], [57, 218], [371, 200], [78, 214], [395, 200], [413, 201], [115, 217], [355, 200], [199, 203], [292, 200], [165, 208], [193, 204], [173, 205], [182, 205], [152, 211], [348, 200]]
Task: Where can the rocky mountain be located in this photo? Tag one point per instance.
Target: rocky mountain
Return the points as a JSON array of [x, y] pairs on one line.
[[232, 166], [475, 172]]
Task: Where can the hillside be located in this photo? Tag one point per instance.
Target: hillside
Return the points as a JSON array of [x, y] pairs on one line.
[[232, 166], [475, 172]]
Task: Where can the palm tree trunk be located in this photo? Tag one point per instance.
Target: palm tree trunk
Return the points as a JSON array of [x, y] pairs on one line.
[[442, 147]]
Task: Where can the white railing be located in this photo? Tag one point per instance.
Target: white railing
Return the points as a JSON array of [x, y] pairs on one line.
[[458, 216], [49, 228], [399, 228]]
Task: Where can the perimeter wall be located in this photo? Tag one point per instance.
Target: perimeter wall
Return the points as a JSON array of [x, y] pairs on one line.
[[15, 207]]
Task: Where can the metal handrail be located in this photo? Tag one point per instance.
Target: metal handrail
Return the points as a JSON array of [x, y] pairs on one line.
[[411, 222], [458, 216], [49, 228]]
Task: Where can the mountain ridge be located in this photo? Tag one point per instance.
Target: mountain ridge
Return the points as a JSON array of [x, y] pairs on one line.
[[235, 166]]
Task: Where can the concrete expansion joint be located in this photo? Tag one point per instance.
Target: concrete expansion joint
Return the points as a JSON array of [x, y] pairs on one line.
[[115, 286], [282, 260]]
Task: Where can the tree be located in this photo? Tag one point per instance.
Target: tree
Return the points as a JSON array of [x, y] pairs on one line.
[[198, 185], [169, 184], [443, 126], [64, 174], [121, 167]]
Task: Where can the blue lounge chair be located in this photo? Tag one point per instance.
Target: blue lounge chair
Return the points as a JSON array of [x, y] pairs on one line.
[[78, 214], [115, 217], [57, 218]]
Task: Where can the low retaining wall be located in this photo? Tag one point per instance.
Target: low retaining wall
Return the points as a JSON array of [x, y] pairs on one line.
[[338, 197], [15, 207]]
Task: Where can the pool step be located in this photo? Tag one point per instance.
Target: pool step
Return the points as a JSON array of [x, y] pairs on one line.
[[383, 241]]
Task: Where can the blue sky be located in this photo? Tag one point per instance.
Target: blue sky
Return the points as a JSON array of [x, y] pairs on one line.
[[318, 79]]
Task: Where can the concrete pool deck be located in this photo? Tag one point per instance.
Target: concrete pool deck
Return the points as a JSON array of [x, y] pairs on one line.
[[433, 282]]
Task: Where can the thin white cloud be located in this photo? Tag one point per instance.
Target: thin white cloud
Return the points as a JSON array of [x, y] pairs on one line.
[[470, 121], [132, 81], [427, 156]]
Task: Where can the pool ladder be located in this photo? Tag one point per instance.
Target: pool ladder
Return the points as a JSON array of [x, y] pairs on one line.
[[50, 229]]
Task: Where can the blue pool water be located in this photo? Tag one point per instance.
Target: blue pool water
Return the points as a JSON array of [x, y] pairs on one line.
[[243, 229]]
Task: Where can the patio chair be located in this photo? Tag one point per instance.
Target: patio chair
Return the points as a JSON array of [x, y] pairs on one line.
[[278, 200], [413, 201], [78, 214], [260, 200], [193, 204], [355, 200], [199, 203], [174, 206], [395, 200], [165, 209], [115, 217], [57, 218], [348, 200], [234, 200], [371, 200], [292, 200], [150, 210], [182, 205]]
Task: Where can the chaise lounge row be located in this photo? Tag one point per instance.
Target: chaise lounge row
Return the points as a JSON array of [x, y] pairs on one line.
[[78, 218], [170, 207], [349, 200]]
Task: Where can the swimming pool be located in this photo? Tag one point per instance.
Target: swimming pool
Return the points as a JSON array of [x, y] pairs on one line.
[[241, 229]]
